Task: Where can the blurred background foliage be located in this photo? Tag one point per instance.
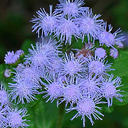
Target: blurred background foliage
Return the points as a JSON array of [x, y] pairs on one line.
[[15, 33]]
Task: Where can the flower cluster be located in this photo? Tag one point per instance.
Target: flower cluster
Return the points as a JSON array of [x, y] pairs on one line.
[[81, 80], [71, 20], [11, 57], [9, 116]]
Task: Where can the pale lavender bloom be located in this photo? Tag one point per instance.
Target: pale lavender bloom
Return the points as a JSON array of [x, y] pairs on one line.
[[19, 67], [114, 53], [3, 96], [72, 65], [3, 116], [90, 86], [109, 89], [71, 91], [98, 66], [56, 66], [10, 58], [108, 38], [44, 22], [23, 90], [119, 44], [71, 94], [28, 73], [87, 107], [89, 25], [15, 118], [100, 52], [19, 52], [66, 29], [7, 73], [54, 89], [43, 54], [70, 7]]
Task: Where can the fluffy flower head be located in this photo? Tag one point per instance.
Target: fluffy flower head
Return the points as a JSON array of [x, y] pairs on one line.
[[98, 66], [11, 58], [15, 118], [114, 53], [89, 25], [23, 90], [66, 29], [87, 107], [44, 22], [54, 89], [108, 38], [72, 65], [70, 7], [100, 52], [3, 115], [109, 89], [43, 54]]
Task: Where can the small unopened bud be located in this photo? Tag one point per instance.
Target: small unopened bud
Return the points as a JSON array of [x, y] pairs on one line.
[[19, 52], [7, 73]]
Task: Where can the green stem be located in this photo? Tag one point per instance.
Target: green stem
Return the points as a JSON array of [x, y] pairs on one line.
[[60, 115]]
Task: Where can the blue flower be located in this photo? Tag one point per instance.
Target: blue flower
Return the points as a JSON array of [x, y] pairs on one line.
[[71, 91], [11, 58], [89, 25], [109, 89], [23, 90], [15, 118], [3, 116], [53, 89], [70, 8], [28, 73], [97, 66], [72, 65], [19, 52], [66, 29], [90, 85], [110, 39], [87, 106], [44, 22], [114, 53], [43, 54], [3, 96], [100, 53]]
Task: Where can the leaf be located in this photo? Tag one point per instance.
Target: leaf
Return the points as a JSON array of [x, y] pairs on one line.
[[106, 109], [121, 69], [26, 45], [77, 44], [42, 115], [121, 64]]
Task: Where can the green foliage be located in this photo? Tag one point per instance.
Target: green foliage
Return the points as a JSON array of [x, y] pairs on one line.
[[26, 45], [120, 14], [42, 115], [121, 69]]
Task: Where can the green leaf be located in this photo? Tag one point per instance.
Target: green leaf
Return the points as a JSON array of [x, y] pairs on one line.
[[42, 115], [77, 44], [121, 69], [106, 109], [121, 64], [26, 45]]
